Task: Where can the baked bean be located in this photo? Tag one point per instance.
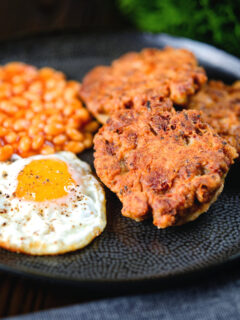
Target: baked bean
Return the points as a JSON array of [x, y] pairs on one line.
[[19, 101], [20, 124], [74, 146], [60, 139], [54, 129], [11, 137], [18, 88], [82, 114], [41, 113], [74, 134], [47, 149], [5, 90], [29, 114], [36, 87], [36, 106], [2, 117], [22, 134], [7, 123], [68, 111], [24, 144], [54, 118], [92, 126], [69, 94], [33, 130], [37, 142], [3, 132], [8, 107], [73, 123], [88, 141], [31, 96], [6, 152], [59, 104]]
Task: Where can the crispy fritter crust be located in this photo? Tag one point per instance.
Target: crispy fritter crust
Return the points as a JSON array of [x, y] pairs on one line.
[[136, 77], [160, 161], [220, 106]]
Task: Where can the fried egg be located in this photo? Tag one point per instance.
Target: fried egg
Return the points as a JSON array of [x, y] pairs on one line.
[[49, 204]]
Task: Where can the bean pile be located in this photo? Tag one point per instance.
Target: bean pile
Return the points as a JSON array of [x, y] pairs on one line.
[[40, 113]]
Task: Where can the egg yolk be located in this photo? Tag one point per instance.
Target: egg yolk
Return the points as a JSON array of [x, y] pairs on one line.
[[44, 179]]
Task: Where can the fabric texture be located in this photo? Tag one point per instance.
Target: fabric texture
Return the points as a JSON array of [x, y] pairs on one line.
[[215, 298]]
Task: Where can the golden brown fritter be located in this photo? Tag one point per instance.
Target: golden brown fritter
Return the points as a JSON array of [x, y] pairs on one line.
[[163, 162], [137, 76], [220, 106]]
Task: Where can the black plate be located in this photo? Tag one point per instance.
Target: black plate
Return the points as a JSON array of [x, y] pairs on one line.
[[128, 250]]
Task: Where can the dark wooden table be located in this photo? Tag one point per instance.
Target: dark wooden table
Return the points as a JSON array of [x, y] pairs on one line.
[[18, 19], [20, 295]]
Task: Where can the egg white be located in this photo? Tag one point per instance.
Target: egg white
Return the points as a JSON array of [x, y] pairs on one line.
[[53, 226]]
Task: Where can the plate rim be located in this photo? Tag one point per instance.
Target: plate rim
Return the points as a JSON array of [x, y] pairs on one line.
[[37, 275]]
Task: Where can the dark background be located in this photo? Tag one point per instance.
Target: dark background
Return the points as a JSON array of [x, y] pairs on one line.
[[27, 17], [212, 21]]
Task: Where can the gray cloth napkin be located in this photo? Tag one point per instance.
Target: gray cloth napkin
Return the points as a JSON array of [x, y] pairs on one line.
[[215, 299]]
